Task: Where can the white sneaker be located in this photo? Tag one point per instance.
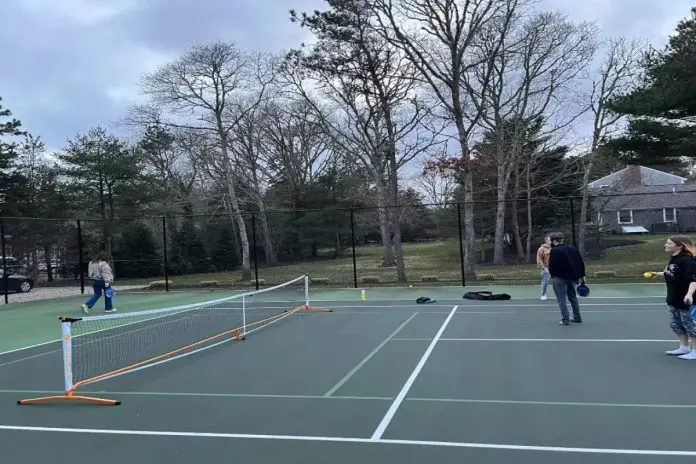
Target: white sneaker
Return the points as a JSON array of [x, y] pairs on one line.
[[85, 309], [689, 356], [682, 350], [544, 297]]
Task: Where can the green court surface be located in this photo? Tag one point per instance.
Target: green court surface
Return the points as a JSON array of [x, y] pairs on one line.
[[34, 322], [382, 380]]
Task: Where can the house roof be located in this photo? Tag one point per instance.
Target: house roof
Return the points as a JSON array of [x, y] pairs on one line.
[[634, 175], [646, 197]]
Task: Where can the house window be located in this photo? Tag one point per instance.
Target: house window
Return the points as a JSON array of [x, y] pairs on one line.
[[625, 216], [669, 215]]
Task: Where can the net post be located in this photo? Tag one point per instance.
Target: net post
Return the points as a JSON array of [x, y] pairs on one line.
[[306, 290], [69, 395], [66, 335]]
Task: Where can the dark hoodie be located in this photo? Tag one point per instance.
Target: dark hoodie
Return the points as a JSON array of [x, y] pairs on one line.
[[679, 273], [565, 262]]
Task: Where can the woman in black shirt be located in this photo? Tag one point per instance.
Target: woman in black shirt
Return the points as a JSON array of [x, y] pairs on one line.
[[680, 278]]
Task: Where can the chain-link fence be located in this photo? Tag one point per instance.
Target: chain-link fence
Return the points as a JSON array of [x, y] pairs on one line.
[[412, 245]]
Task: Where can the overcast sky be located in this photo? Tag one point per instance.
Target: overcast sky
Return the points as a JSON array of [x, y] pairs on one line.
[[69, 65]]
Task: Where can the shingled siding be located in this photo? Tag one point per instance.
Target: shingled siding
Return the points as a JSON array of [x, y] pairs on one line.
[[652, 219]]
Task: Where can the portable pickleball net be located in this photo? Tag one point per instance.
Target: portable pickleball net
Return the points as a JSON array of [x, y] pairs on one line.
[[99, 347]]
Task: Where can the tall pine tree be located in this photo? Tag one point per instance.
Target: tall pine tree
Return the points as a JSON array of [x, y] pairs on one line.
[[104, 180], [662, 128], [8, 154]]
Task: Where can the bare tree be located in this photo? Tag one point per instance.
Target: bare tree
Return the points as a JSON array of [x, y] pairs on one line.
[[440, 38], [436, 188], [535, 65], [212, 84], [616, 75], [373, 88]]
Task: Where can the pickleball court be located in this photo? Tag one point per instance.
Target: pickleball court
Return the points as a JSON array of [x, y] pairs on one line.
[[376, 381]]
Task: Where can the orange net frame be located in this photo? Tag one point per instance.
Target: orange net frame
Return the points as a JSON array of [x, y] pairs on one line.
[[96, 348]]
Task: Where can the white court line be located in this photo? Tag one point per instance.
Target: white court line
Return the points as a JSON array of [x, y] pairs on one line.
[[409, 306], [555, 403], [30, 347], [590, 340], [367, 358], [442, 444], [407, 386], [27, 358], [357, 398]]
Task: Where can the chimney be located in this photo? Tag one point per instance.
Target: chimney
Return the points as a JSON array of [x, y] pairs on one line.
[[633, 175]]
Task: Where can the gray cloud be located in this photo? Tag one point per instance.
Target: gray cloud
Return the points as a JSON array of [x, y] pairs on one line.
[[69, 65]]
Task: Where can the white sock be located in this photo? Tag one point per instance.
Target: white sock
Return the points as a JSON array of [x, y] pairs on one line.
[[683, 349]]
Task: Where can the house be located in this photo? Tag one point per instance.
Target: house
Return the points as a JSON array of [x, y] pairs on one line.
[[638, 199]]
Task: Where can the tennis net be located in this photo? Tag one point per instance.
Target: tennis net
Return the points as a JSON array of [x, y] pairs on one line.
[[100, 347]]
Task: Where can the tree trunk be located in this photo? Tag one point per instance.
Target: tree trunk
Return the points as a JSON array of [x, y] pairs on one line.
[[238, 218], [235, 239], [469, 230], [394, 222], [49, 263], [269, 250], [504, 173], [34, 264], [530, 219], [384, 222], [234, 200], [467, 183], [584, 204], [515, 215], [244, 238]]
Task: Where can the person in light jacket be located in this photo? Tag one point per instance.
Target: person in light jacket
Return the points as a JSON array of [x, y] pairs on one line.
[[102, 277], [542, 258]]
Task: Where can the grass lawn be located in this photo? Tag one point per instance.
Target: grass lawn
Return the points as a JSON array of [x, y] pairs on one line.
[[617, 262]]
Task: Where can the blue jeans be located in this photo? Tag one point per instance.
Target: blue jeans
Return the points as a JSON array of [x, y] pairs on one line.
[[98, 287], [545, 279], [565, 292]]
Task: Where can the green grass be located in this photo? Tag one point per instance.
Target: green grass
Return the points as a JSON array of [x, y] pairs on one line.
[[440, 259]]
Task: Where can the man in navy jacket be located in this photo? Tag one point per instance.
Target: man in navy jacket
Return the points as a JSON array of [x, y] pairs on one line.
[[567, 268]]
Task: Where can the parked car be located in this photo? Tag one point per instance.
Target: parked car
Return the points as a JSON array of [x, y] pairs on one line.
[[16, 283]]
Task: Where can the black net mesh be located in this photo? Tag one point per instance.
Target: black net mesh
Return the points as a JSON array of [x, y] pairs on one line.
[[105, 345]]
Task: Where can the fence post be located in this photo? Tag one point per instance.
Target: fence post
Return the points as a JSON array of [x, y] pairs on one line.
[[572, 222], [253, 242], [461, 243], [81, 257], [164, 253], [352, 240], [4, 262]]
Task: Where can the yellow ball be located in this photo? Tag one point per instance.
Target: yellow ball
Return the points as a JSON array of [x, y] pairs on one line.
[[647, 275]]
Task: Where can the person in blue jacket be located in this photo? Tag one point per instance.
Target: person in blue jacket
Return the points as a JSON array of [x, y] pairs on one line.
[[567, 269]]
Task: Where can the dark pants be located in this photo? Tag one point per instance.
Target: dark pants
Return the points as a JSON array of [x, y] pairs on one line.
[[565, 292], [98, 287]]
